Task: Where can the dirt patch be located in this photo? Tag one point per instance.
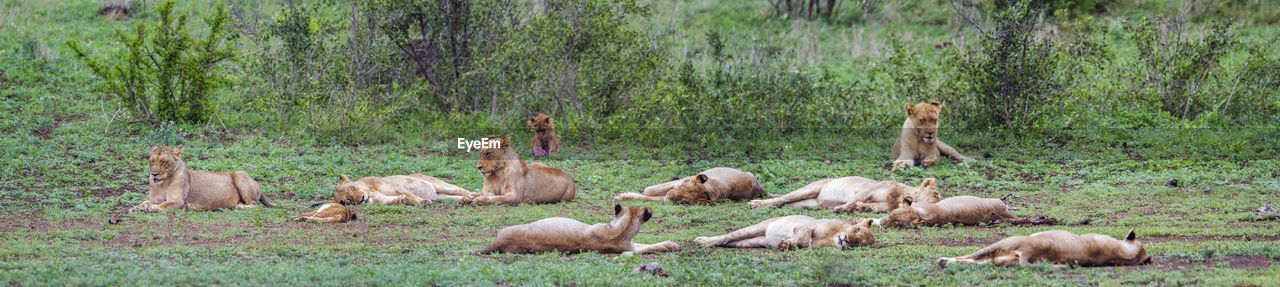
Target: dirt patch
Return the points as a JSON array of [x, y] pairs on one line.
[[1207, 238]]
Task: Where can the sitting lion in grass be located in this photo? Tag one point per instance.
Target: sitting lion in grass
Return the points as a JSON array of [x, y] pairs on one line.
[[395, 189], [509, 180], [853, 193], [173, 186], [572, 236], [961, 210], [918, 144], [545, 140], [705, 187], [796, 231], [332, 212], [1058, 247]]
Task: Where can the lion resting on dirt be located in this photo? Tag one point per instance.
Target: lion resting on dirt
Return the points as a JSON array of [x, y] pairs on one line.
[[395, 189], [796, 231], [853, 193], [964, 210], [545, 140], [568, 235], [705, 187], [173, 186], [918, 143], [509, 180], [1059, 247], [332, 212]]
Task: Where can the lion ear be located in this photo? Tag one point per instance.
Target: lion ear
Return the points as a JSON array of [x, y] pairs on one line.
[[702, 178], [910, 109], [648, 213], [506, 141], [1131, 235], [529, 122], [936, 103], [617, 208], [906, 201], [865, 222], [153, 148], [929, 183], [342, 178], [177, 150]]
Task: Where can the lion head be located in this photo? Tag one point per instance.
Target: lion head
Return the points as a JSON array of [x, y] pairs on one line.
[[695, 191], [349, 192], [632, 216], [928, 191], [493, 160], [541, 122], [858, 233], [924, 117], [904, 216], [165, 161]]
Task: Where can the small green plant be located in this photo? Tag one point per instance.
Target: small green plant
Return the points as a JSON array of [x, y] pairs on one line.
[[1175, 66], [1012, 73], [167, 71]]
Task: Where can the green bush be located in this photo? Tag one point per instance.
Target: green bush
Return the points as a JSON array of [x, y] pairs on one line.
[[1176, 67], [1012, 75], [167, 71]]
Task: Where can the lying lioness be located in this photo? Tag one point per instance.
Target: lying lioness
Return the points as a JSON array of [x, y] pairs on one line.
[[395, 189], [796, 231], [545, 140], [964, 210], [509, 180], [705, 187], [918, 143], [568, 235], [1059, 247], [173, 186], [847, 194], [332, 212]]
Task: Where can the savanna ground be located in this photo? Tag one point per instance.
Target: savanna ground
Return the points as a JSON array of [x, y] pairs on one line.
[[71, 170]]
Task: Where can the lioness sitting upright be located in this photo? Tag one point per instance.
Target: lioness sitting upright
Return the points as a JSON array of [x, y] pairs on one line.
[[545, 140], [395, 189], [964, 210], [1059, 247], [918, 143], [509, 180], [568, 235], [173, 186], [854, 193], [705, 187], [796, 231]]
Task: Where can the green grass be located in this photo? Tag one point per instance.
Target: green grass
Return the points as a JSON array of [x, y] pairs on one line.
[[67, 181]]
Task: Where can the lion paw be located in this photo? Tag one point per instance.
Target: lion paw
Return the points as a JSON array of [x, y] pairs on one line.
[[703, 241], [902, 163], [787, 245], [757, 203]]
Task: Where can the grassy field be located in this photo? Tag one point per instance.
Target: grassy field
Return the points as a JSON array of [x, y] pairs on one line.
[[71, 170]]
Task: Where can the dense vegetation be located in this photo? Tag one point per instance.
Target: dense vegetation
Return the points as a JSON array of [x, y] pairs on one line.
[[1087, 109]]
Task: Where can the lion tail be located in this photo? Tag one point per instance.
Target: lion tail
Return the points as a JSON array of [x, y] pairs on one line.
[[264, 201], [1036, 220]]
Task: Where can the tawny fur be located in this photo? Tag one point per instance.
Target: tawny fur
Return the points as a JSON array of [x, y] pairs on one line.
[[395, 189], [703, 188], [332, 212], [1058, 247], [795, 231], [509, 180], [545, 139], [918, 144], [963, 210], [173, 186], [568, 235], [847, 194]]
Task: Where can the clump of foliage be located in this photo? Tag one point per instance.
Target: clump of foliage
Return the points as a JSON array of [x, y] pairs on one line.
[[1176, 67], [1011, 72], [166, 70]]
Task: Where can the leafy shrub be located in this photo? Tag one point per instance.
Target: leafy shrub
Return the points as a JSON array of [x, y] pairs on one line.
[[1175, 66], [1013, 74], [166, 71]]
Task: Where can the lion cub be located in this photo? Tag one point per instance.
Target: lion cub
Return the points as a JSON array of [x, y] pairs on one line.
[[705, 187], [395, 189], [853, 193], [332, 212], [966, 210], [568, 235], [1059, 247], [918, 143], [545, 140], [796, 231], [173, 186], [509, 180]]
